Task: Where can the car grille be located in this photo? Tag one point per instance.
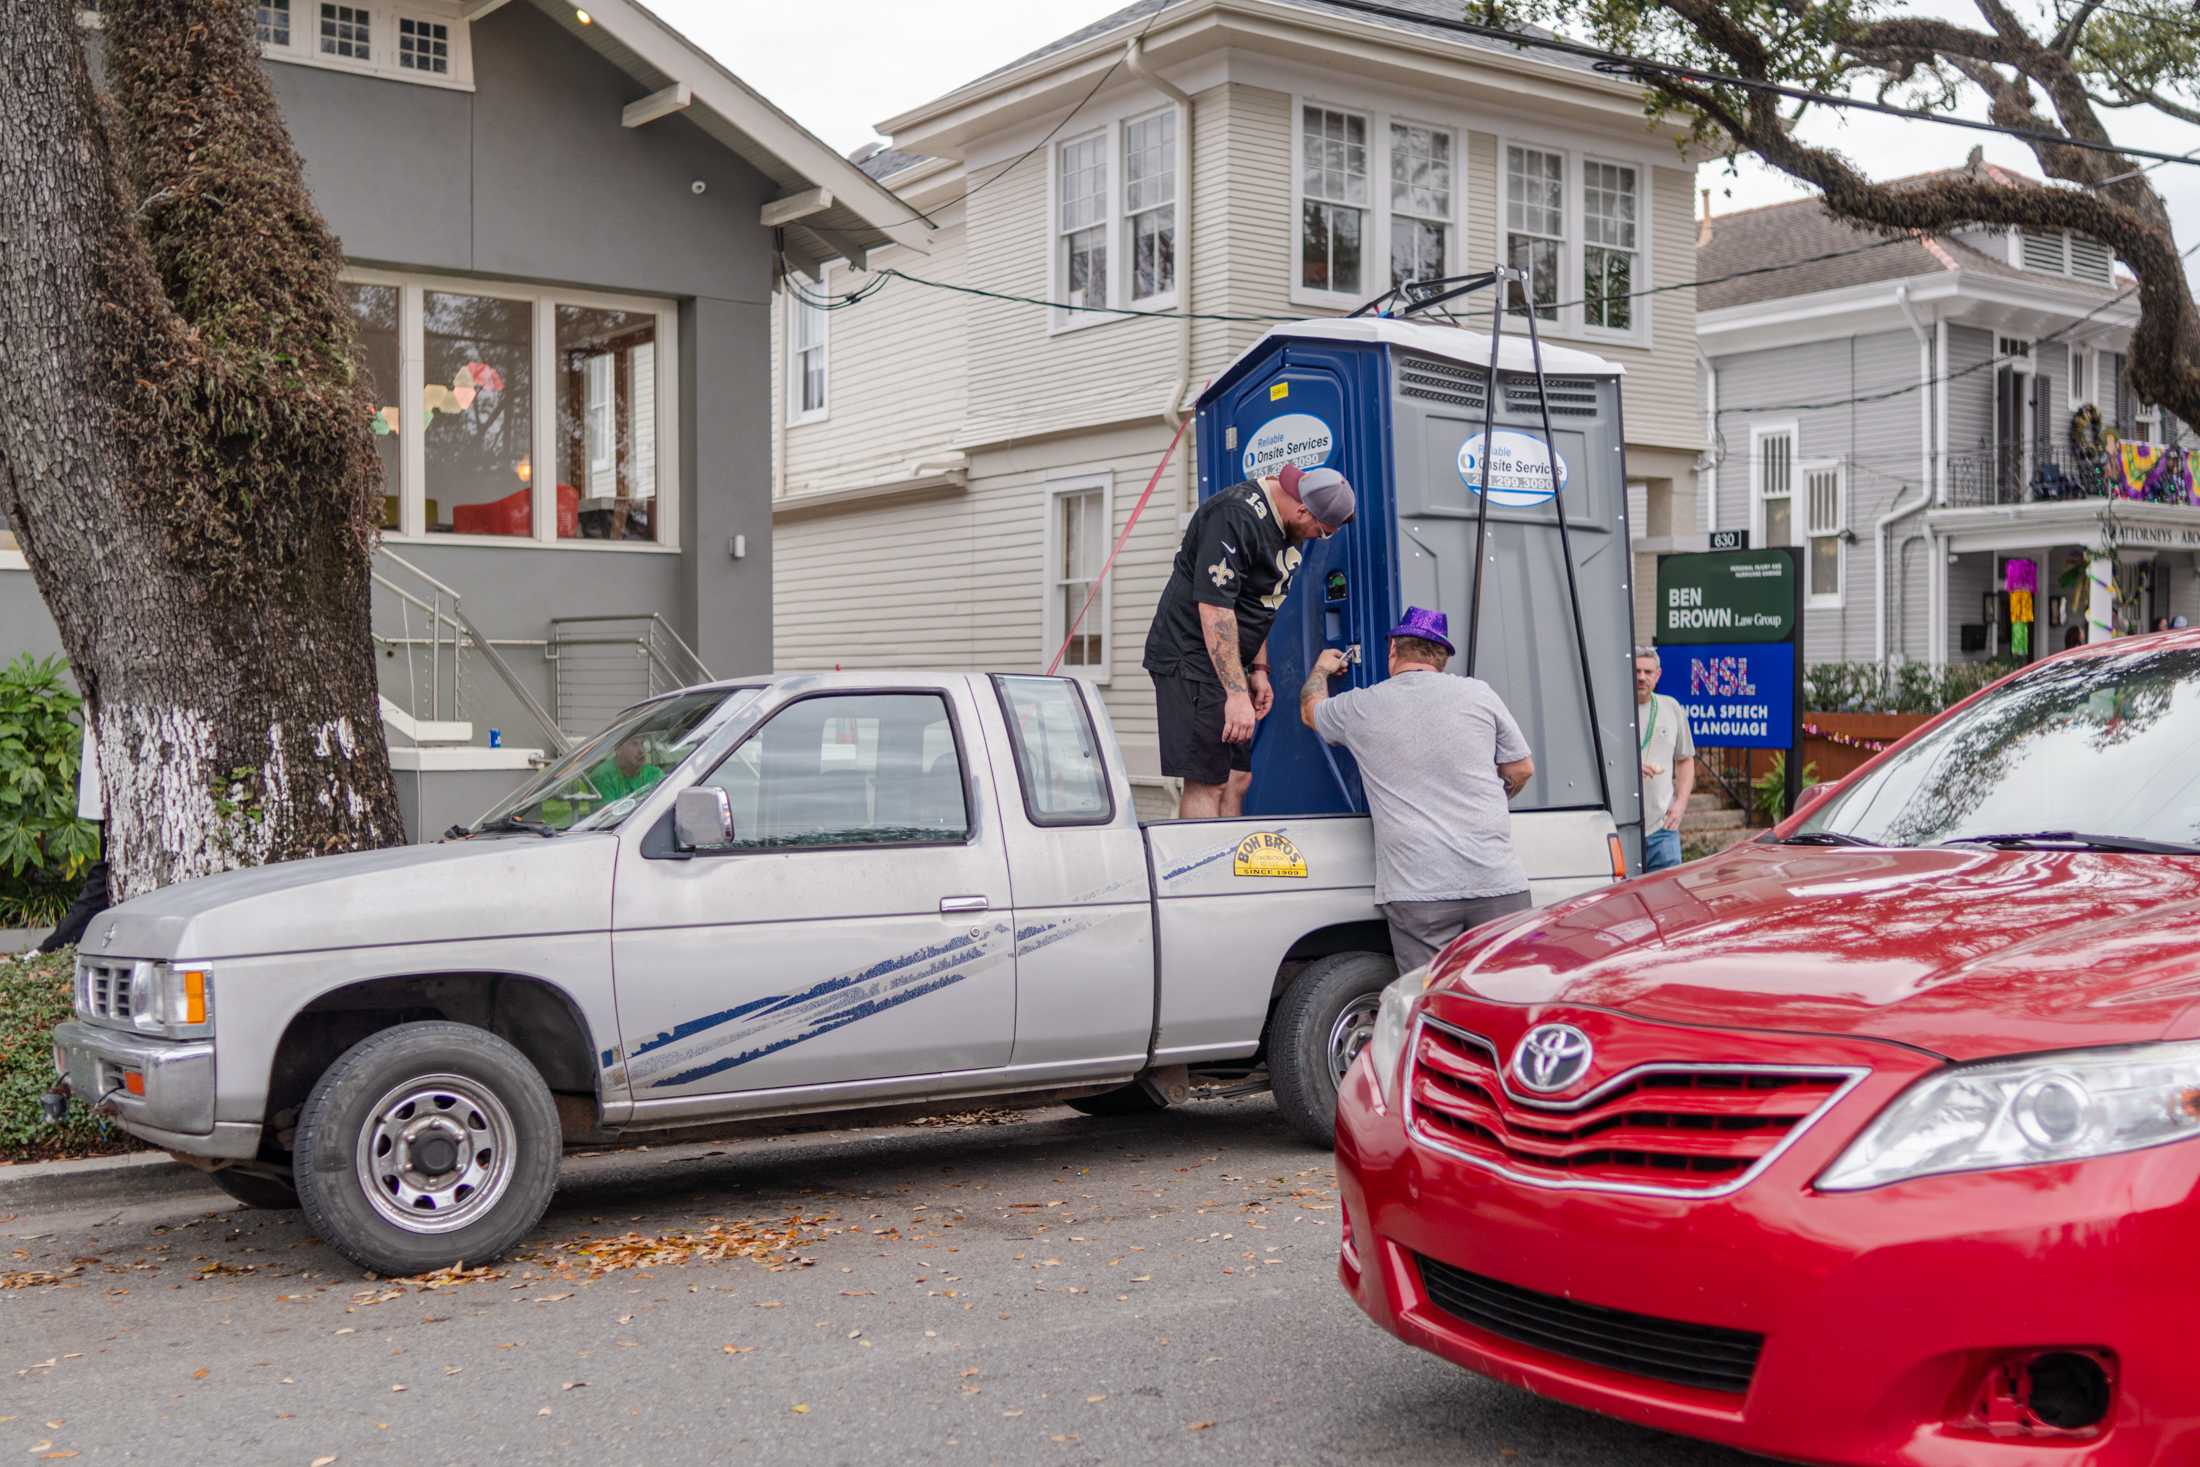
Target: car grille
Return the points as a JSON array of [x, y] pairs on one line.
[[1686, 1129], [103, 989], [1700, 1355]]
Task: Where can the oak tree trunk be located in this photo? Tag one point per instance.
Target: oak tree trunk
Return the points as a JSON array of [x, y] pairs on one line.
[[183, 440]]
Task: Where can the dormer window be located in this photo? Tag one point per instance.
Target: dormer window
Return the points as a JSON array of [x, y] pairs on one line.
[[422, 41], [347, 32], [274, 22]]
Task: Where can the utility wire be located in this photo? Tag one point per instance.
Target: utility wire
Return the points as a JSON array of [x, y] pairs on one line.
[[1616, 63]]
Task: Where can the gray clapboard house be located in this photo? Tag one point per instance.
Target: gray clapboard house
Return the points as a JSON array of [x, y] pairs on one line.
[[1915, 414], [560, 227]]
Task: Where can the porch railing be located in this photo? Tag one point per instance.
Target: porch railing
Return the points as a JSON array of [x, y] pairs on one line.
[[2044, 474], [437, 640], [602, 665]]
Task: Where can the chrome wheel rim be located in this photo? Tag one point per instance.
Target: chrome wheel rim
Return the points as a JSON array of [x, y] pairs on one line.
[[1349, 1035], [436, 1153]]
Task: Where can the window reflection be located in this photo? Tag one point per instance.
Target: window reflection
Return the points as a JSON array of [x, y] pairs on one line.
[[478, 415], [607, 423], [374, 316]]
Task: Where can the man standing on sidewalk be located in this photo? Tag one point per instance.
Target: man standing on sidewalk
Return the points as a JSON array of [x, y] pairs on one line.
[[1440, 757], [1668, 765], [1207, 650]]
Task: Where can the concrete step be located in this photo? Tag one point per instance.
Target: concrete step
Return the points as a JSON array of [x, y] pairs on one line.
[[1699, 818], [1695, 845]]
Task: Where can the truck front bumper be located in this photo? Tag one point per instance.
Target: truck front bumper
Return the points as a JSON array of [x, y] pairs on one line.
[[170, 1103]]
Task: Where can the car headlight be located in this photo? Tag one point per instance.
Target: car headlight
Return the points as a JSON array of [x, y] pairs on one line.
[[1392, 1020], [171, 999], [2028, 1112]]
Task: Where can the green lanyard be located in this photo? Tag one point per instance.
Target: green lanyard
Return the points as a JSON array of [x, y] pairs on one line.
[[1651, 730]]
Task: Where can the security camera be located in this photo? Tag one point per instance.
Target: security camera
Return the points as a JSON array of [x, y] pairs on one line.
[[697, 187]]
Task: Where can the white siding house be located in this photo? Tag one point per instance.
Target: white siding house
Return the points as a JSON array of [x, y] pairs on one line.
[[951, 490]]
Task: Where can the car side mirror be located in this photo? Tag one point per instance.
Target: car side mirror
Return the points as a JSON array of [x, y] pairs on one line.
[[1812, 795], [702, 819]]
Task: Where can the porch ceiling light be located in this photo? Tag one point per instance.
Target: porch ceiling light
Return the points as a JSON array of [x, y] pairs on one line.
[[584, 17]]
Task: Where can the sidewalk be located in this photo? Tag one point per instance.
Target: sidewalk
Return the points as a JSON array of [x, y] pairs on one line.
[[142, 1176]]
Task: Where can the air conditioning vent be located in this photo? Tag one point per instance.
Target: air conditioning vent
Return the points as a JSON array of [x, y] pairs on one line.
[[1571, 397], [1432, 379]]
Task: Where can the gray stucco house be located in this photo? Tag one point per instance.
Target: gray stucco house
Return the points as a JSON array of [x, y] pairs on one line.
[[561, 226], [1914, 414]]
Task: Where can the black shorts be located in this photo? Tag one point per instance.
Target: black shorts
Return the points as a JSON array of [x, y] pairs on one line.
[[1191, 731]]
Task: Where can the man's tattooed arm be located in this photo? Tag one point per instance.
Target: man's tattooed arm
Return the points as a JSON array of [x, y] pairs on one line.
[[1219, 623]]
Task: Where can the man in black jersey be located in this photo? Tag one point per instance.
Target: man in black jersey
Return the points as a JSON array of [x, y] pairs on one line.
[[1207, 650]]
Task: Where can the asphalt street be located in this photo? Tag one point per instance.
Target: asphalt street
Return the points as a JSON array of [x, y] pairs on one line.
[[1039, 1287]]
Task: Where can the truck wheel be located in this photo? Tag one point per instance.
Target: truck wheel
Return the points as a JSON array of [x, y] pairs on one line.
[[1320, 1027], [1129, 1100], [424, 1145], [257, 1189]]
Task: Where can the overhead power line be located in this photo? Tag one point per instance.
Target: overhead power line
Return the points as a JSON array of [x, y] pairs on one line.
[[1619, 64]]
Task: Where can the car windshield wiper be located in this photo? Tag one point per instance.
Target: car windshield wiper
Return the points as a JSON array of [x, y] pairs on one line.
[[2076, 840], [1827, 838], [504, 823]]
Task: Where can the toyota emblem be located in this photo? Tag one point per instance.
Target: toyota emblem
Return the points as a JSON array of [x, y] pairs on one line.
[[1551, 1057]]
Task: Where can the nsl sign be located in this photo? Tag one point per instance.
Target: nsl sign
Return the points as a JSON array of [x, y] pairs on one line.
[[1730, 627]]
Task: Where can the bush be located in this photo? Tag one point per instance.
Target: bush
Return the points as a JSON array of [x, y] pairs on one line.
[[1769, 791], [35, 996], [1906, 687], [44, 848]]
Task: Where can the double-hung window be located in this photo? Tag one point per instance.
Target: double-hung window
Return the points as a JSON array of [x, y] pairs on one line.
[[1825, 511], [1609, 247], [1081, 220], [1535, 227], [1076, 547], [1149, 203], [347, 32], [1420, 202], [273, 22], [1333, 199], [1772, 462], [806, 384]]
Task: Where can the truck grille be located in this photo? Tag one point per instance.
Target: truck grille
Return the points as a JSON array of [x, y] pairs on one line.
[[103, 989], [1680, 1129], [1704, 1356]]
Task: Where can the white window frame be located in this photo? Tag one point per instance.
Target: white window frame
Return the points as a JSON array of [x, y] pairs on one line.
[[1117, 221], [1375, 209], [1102, 141], [1572, 319], [1807, 532], [1102, 615], [1758, 433], [1452, 222], [796, 415], [412, 479], [383, 16], [1174, 204], [2076, 361]]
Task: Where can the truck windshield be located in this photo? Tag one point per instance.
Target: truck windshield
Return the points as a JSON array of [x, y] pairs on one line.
[[602, 782], [2088, 752]]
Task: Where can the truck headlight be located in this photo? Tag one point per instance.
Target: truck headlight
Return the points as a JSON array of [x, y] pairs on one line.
[[2028, 1112], [171, 999], [1393, 1019]]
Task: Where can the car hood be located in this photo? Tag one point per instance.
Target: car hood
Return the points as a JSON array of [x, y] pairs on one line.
[[1966, 953], [483, 888]]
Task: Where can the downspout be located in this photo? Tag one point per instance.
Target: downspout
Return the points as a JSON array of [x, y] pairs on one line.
[[1900, 510], [1710, 438], [1172, 412]]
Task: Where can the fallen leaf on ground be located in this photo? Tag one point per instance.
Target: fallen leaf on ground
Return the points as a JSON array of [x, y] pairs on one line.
[[800, 1410], [199, 1374], [322, 1461], [572, 1385], [740, 1349], [1094, 1400], [1199, 1426]]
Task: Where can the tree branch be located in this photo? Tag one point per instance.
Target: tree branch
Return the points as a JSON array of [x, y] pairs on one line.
[[2066, 39]]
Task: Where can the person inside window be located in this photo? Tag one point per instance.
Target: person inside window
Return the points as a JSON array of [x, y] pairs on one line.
[[627, 772]]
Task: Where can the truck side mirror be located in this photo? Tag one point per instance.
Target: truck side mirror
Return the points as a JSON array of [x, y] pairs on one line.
[[1812, 795], [702, 819]]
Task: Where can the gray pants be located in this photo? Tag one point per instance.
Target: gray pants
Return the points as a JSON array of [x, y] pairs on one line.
[[1419, 930]]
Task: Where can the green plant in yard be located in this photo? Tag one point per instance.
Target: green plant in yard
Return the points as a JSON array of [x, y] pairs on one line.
[[1769, 791], [43, 846], [1907, 687], [34, 996]]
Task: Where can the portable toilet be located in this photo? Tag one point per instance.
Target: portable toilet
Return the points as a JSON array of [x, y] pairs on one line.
[[1397, 406]]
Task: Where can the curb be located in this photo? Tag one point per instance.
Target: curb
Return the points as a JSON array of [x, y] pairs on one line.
[[135, 1178]]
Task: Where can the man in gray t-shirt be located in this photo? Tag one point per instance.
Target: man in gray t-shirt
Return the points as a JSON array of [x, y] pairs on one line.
[[1440, 758]]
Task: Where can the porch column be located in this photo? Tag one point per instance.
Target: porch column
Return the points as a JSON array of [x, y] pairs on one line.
[[1936, 600], [2100, 609]]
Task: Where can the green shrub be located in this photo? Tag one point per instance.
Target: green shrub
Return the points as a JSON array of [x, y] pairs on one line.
[[44, 848], [1769, 790], [1907, 687], [35, 996]]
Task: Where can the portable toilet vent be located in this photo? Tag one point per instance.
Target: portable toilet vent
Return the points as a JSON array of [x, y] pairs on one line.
[[1398, 406]]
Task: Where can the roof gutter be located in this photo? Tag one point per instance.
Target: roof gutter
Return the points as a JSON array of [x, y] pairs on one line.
[[1172, 411], [1900, 510]]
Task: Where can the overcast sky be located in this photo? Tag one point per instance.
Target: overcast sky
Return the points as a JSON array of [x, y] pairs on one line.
[[840, 72]]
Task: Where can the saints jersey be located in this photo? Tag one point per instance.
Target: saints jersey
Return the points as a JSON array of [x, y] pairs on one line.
[[1235, 554]]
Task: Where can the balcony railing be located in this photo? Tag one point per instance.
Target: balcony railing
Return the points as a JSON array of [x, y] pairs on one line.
[[2040, 474]]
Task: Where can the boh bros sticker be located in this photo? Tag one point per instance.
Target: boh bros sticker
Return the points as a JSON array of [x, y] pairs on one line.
[[1268, 853]]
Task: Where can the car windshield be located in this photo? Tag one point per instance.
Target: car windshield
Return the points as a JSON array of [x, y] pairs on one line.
[[602, 782], [2085, 751]]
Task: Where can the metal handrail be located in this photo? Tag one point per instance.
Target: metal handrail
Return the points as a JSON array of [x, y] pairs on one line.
[[461, 625], [657, 623]]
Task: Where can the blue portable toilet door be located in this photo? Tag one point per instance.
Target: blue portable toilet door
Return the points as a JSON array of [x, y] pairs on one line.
[[1317, 406]]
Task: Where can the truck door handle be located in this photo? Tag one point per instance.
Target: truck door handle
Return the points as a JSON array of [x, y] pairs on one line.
[[964, 904]]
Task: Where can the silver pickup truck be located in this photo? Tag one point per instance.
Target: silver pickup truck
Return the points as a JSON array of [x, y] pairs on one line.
[[758, 898]]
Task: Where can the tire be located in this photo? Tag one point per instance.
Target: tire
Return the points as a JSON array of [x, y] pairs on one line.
[[1128, 1100], [424, 1145], [257, 1189], [1319, 1027]]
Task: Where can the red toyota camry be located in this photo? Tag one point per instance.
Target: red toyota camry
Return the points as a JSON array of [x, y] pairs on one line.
[[1873, 1141]]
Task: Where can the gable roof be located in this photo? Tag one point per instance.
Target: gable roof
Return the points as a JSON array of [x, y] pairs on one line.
[[862, 213], [1781, 234]]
